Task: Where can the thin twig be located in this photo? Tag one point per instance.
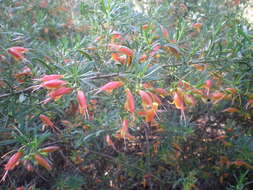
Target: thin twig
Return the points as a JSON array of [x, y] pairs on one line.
[[16, 92]]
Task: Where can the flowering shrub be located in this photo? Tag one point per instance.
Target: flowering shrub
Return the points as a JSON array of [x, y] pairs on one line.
[[95, 95]]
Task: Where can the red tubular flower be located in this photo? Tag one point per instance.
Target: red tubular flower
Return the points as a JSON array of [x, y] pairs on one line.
[[17, 52], [42, 161], [46, 121], [124, 131], [58, 93], [13, 161], [110, 86], [83, 107], [129, 104], [50, 77], [51, 84], [50, 149]]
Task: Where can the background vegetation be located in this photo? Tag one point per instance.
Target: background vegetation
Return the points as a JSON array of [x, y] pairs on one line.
[[176, 112]]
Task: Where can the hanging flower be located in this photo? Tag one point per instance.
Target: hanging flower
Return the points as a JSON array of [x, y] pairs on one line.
[[129, 104], [82, 102], [42, 161], [110, 86], [17, 52]]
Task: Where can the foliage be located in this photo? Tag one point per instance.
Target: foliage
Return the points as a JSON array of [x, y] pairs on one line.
[[96, 95]]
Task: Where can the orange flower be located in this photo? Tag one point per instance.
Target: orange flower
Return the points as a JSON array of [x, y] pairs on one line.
[[149, 112], [110, 86], [179, 103], [110, 142], [129, 104], [197, 26], [17, 52], [199, 67], [164, 32], [117, 57], [50, 149], [231, 110], [231, 90], [155, 98], [121, 49], [161, 92], [83, 107], [145, 97], [249, 104], [116, 35], [217, 96], [42, 161]]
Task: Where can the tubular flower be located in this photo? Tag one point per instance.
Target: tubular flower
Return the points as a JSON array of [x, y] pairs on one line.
[[42, 161], [179, 103], [123, 132], [117, 57], [50, 149], [58, 93], [26, 72], [17, 52], [12, 162], [110, 86], [121, 49], [155, 98], [83, 107], [47, 122], [150, 112], [50, 77], [161, 92], [231, 110], [129, 104], [110, 142], [51, 84], [208, 85], [145, 97]]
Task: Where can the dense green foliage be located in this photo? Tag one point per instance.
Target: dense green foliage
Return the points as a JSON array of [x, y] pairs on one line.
[[188, 65]]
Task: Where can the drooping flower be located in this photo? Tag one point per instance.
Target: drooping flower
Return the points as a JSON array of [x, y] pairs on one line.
[[47, 122], [17, 52], [52, 84], [149, 112], [11, 164], [121, 49], [146, 98], [123, 132], [179, 103], [129, 104], [110, 142], [42, 161], [110, 86], [13, 161], [82, 102], [57, 94], [50, 77], [50, 149]]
